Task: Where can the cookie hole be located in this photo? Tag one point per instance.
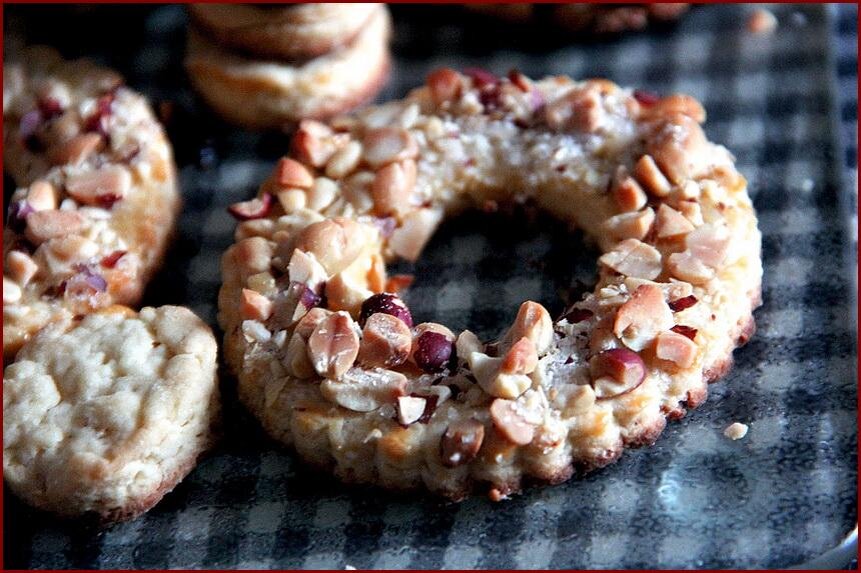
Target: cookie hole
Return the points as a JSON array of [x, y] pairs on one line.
[[478, 268]]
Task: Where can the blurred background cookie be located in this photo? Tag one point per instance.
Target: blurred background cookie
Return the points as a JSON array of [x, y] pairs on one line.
[[278, 31], [274, 93], [251, 63]]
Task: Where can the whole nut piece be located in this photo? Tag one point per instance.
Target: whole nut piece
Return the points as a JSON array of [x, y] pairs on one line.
[[533, 322], [386, 341], [461, 442], [333, 346]]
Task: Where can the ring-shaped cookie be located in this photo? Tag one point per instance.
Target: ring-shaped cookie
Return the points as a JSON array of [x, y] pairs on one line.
[[335, 367]]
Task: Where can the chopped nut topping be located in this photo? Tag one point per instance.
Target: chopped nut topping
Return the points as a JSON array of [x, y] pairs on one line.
[[365, 390], [76, 150], [45, 225], [11, 291], [533, 322], [615, 372], [671, 223], [579, 110], [304, 268], [255, 306], [676, 348], [102, 187], [42, 196], [392, 188], [256, 208], [388, 144], [433, 347], [679, 148], [410, 409], [334, 242], [507, 376], [386, 341], [291, 173], [675, 104], [314, 143], [323, 193], [627, 193], [639, 320], [292, 199], [21, 267], [444, 84], [333, 346], [510, 423], [633, 258], [461, 442], [634, 225], [467, 343], [650, 177], [409, 239], [344, 161]]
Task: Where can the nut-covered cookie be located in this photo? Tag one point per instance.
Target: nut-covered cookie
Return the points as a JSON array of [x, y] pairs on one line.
[[276, 94], [278, 31], [325, 366], [97, 196], [106, 415]]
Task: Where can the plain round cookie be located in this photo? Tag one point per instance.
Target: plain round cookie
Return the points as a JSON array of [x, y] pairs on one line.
[[335, 367], [106, 415], [97, 193], [293, 32], [275, 94]]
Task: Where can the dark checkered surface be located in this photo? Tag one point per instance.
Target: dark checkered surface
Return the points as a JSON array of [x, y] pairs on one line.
[[786, 105]]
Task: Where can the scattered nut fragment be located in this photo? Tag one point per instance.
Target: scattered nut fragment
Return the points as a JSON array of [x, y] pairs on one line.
[[467, 343], [533, 322], [333, 346], [46, 225], [679, 148], [255, 306], [386, 341], [461, 442], [633, 258], [578, 110], [296, 359], [676, 348], [256, 208], [344, 161], [510, 423], [642, 317], [762, 22], [314, 143], [615, 372], [101, 187], [410, 409], [388, 144], [627, 193], [736, 431], [675, 104], [292, 200], [506, 376], [304, 268], [365, 390], [76, 150], [21, 267], [322, 193]]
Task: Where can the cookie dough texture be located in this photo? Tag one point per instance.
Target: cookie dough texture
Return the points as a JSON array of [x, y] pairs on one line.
[[97, 194], [355, 387], [105, 416], [270, 93]]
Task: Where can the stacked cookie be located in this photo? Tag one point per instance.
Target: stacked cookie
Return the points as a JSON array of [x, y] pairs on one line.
[[269, 66]]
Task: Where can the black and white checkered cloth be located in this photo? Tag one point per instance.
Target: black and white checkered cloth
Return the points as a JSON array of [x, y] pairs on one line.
[[786, 105]]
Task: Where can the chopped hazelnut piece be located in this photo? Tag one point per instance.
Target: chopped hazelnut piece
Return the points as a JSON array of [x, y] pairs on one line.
[[675, 104], [77, 149], [679, 148], [21, 267], [444, 84], [388, 144], [393, 185], [304, 268], [344, 161], [507, 376], [578, 110], [642, 317], [533, 322], [102, 187], [365, 390], [11, 291], [314, 143], [42, 196], [627, 193], [615, 372], [334, 243], [292, 200], [291, 173], [408, 240]]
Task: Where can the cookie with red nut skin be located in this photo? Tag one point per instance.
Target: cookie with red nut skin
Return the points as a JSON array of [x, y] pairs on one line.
[[335, 367], [283, 32], [260, 94], [595, 19], [97, 192], [103, 416]]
